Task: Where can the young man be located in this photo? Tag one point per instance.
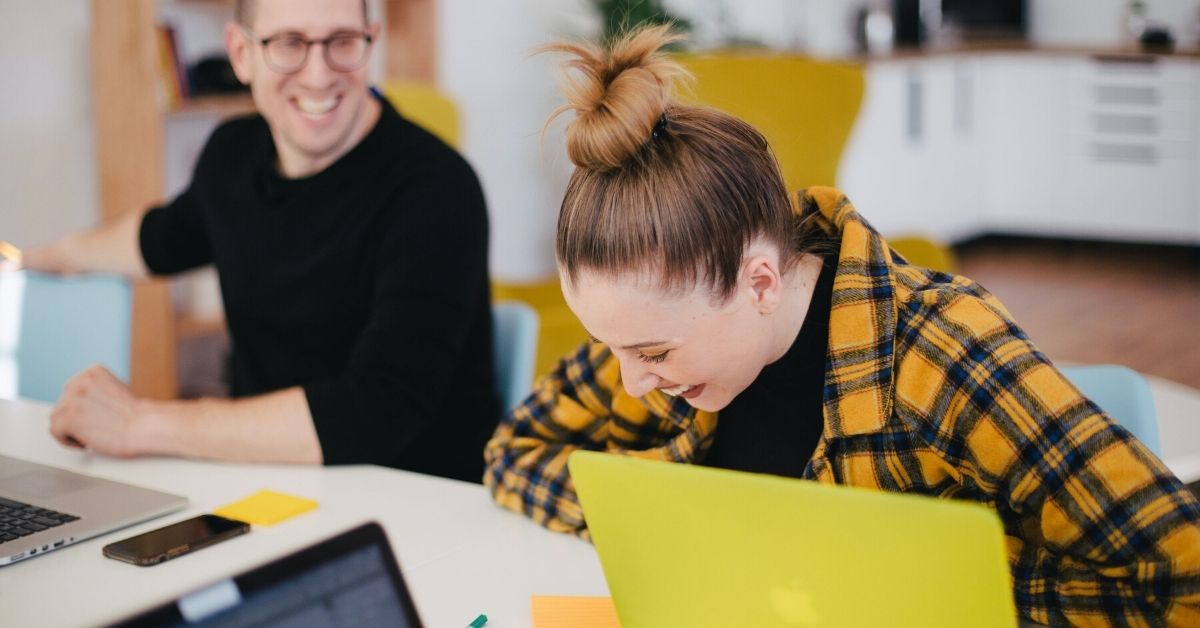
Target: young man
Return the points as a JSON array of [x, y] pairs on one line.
[[351, 248]]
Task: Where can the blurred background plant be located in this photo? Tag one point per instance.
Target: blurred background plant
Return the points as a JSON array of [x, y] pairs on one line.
[[619, 16]]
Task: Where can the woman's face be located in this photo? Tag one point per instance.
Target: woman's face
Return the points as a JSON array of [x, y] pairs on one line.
[[684, 344]]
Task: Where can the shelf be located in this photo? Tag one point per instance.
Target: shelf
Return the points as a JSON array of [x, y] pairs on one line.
[[221, 104]]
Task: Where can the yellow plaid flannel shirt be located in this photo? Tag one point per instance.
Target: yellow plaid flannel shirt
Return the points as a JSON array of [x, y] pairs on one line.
[[930, 388]]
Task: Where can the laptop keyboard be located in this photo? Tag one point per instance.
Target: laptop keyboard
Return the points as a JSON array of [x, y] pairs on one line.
[[18, 519]]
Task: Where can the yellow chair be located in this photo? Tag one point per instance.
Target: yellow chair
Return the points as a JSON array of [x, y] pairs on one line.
[[805, 108], [925, 252], [426, 106]]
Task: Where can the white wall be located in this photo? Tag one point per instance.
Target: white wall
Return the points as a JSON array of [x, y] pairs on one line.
[[504, 96], [1101, 22], [47, 151], [819, 27]]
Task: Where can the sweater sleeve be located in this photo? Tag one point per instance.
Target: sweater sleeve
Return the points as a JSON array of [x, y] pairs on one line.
[[173, 237], [430, 286]]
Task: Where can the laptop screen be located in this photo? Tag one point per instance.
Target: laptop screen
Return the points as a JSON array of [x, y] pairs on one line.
[[350, 580]]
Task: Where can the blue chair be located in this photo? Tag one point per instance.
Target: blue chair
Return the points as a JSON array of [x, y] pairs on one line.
[[515, 334], [1124, 395], [54, 327]]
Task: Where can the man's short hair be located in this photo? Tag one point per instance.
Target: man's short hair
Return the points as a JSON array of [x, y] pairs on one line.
[[243, 11]]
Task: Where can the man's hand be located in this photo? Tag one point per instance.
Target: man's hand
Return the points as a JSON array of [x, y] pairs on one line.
[[51, 258], [110, 248], [98, 412]]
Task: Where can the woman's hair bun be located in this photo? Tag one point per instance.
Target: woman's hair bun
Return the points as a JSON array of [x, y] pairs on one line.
[[618, 92]]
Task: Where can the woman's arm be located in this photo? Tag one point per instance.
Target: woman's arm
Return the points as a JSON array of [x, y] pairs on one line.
[[1100, 531], [582, 405]]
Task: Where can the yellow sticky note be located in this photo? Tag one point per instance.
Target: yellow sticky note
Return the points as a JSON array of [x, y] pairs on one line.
[[574, 611], [266, 508]]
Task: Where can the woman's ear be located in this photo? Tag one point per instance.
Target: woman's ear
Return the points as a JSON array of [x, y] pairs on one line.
[[762, 281]]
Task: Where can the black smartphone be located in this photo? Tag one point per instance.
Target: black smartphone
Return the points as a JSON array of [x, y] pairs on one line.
[[177, 539]]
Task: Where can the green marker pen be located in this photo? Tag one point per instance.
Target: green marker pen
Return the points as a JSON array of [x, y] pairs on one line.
[[479, 621]]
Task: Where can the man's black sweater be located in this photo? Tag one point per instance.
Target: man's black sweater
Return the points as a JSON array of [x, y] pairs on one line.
[[366, 284]]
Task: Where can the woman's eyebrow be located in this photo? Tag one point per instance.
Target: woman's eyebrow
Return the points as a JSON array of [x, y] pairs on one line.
[[639, 345], [643, 345]]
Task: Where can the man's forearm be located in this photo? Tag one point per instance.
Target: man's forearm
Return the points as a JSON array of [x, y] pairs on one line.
[[276, 427], [110, 248]]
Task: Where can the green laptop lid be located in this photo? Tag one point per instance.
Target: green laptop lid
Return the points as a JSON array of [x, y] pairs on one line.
[[683, 545]]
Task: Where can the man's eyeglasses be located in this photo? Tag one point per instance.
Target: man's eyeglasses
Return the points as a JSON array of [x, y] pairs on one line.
[[288, 53]]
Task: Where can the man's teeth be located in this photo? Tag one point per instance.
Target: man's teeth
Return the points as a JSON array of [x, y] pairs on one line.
[[676, 391], [316, 107]]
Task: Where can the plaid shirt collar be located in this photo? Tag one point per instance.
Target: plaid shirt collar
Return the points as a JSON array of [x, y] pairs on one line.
[[862, 320]]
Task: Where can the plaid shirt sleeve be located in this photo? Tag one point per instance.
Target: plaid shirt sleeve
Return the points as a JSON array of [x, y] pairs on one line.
[[582, 405], [1099, 531]]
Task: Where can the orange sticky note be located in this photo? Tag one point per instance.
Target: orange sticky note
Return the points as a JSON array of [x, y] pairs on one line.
[[574, 611], [266, 508]]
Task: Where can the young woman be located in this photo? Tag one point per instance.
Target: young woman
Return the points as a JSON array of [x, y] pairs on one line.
[[708, 290]]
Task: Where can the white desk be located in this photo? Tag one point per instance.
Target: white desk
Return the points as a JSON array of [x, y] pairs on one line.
[[1177, 408], [460, 554]]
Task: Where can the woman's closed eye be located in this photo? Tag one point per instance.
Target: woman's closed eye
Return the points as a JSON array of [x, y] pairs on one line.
[[653, 359]]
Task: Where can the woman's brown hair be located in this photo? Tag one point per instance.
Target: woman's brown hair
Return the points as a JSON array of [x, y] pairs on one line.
[[659, 184]]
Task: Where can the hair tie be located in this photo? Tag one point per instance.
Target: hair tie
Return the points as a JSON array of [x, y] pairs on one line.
[[660, 127]]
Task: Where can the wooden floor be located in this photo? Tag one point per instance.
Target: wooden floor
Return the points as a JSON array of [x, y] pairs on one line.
[[1087, 302]]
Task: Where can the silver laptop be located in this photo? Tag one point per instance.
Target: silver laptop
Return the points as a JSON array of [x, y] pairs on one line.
[[43, 508]]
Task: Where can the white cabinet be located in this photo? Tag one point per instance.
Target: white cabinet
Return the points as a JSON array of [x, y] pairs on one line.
[[1023, 125], [1130, 155], [911, 165], [1053, 144]]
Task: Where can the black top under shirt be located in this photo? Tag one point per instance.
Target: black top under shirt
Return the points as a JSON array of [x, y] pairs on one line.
[[774, 425], [366, 284]]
